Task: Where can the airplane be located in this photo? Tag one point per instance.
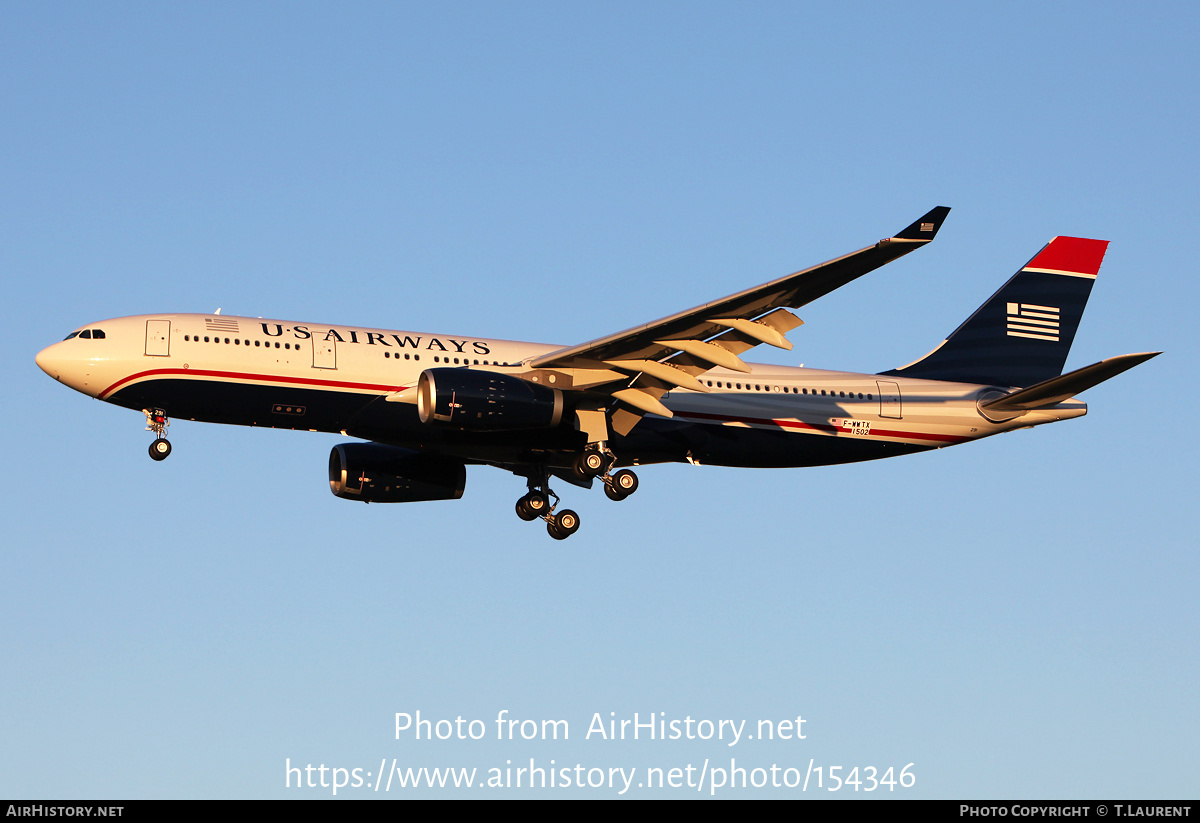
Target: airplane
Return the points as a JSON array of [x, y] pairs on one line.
[[673, 390]]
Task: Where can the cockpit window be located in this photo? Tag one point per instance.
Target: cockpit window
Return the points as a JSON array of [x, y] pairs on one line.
[[97, 334], [86, 334], [72, 334]]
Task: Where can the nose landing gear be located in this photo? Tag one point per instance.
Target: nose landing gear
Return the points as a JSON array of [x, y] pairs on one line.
[[157, 422]]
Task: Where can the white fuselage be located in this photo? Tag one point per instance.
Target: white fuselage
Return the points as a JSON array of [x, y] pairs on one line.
[[321, 377]]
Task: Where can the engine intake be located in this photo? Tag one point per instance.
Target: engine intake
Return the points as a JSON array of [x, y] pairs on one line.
[[384, 474], [486, 401]]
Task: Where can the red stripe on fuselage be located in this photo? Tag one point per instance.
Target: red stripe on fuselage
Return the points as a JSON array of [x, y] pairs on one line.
[[265, 378], [800, 424]]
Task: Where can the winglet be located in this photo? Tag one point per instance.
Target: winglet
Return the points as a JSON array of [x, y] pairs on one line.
[[926, 227]]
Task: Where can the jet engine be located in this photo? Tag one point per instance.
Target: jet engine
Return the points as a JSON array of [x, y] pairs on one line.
[[486, 401], [384, 474]]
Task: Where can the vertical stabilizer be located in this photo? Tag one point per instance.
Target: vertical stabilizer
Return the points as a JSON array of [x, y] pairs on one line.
[[1023, 333]]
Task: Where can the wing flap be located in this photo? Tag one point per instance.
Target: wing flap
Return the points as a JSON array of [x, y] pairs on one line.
[[645, 400], [760, 331], [665, 372]]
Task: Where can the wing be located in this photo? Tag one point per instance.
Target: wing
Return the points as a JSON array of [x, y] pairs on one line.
[[637, 366]]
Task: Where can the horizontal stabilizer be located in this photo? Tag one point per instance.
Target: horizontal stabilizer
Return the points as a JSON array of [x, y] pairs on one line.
[[1051, 392]]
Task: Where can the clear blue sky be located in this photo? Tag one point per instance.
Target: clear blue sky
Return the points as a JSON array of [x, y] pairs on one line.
[[1016, 617]]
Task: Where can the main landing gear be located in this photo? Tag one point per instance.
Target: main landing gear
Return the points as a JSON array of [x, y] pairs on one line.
[[562, 524], [595, 461], [157, 422], [537, 504]]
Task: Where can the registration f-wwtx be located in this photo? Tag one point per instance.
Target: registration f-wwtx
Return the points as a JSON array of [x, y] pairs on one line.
[[673, 390]]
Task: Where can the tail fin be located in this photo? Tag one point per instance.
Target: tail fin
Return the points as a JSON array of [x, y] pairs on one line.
[[1023, 333]]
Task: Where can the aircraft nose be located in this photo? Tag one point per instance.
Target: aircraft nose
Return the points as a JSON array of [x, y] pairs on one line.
[[50, 361], [66, 364]]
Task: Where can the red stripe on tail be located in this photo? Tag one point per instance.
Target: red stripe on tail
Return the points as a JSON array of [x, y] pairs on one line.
[[1074, 254]]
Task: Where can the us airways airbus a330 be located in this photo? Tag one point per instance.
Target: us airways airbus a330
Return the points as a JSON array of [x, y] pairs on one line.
[[673, 390]]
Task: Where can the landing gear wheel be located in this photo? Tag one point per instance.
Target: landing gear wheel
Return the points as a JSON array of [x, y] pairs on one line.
[[563, 525], [621, 485], [160, 448], [523, 511], [588, 465], [532, 506], [537, 503]]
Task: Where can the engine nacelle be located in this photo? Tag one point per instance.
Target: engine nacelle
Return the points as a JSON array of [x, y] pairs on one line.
[[486, 401], [383, 474]]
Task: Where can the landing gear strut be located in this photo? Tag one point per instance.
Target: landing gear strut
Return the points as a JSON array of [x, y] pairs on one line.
[[157, 422]]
